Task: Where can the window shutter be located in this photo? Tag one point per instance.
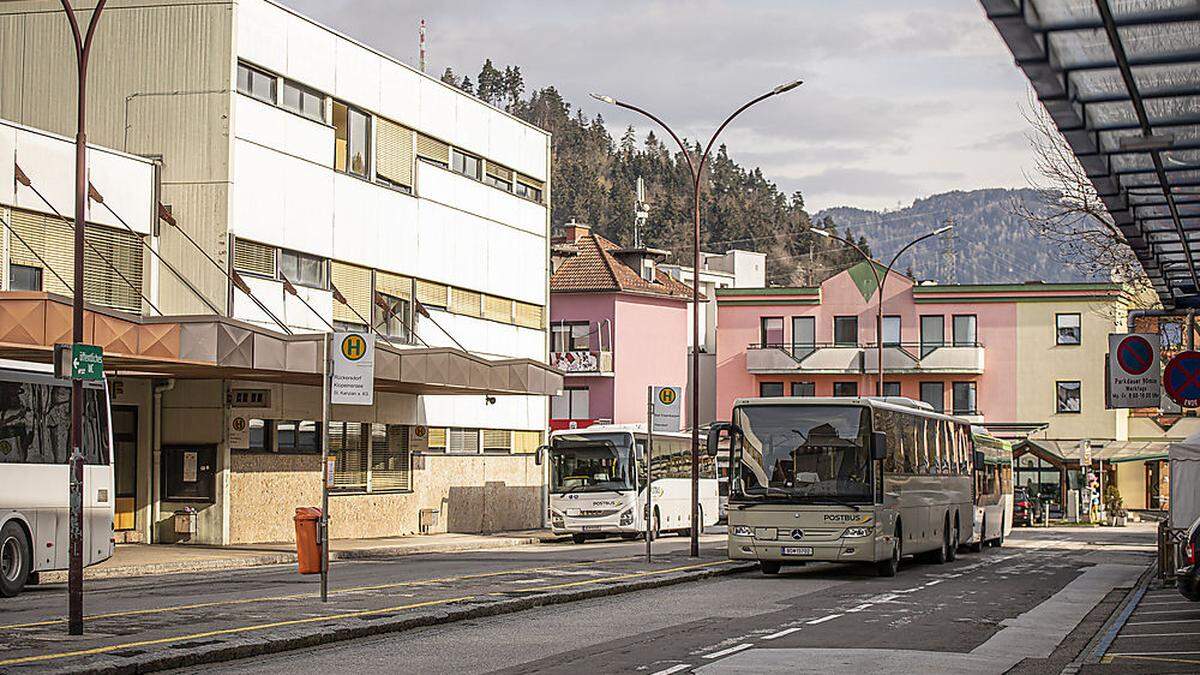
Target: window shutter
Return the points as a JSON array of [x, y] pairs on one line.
[[502, 172], [32, 228], [437, 439], [464, 441], [349, 446], [103, 285], [429, 293], [531, 182], [354, 282], [394, 152], [391, 463], [433, 149], [465, 302], [394, 285], [529, 316], [51, 238], [526, 441], [497, 309], [254, 258], [497, 440]]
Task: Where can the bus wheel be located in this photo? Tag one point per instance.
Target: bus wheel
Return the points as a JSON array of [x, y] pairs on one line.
[[578, 538], [769, 566], [999, 540], [16, 559], [889, 567], [952, 553], [941, 555], [977, 545], [699, 522]]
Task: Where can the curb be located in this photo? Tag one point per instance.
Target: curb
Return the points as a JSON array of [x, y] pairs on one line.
[[1100, 642], [277, 558], [338, 630]]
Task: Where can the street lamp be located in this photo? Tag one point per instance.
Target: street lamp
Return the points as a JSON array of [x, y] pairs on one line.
[[697, 170], [879, 283]]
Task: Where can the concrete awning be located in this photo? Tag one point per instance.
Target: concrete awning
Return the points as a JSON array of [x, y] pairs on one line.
[[217, 347], [1111, 451]]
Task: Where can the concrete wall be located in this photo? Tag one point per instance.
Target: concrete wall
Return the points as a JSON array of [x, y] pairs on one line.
[[1131, 481]]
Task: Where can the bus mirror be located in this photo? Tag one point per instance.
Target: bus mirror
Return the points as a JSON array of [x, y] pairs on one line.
[[878, 445], [978, 459], [713, 444], [540, 455]]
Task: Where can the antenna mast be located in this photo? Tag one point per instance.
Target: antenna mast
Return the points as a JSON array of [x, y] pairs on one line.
[[421, 45], [640, 213], [950, 255]]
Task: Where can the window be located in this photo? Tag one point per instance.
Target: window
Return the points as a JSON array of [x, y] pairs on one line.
[[350, 132], [804, 336], [845, 331], [964, 398], [252, 257], [933, 333], [964, 330], [529, 189], [256, 83], [391, 461], [462, 441], [891, 331], [770, 331], [24, 278], [498, 176], [468, 165], [804, 389], [845, 389], [299, 437], [306, 102], [770, 389], [302, 268], [1067, 399], [393, 316], [571, 404], [891, 389], [497, 441], [348, 448], [1067, 329], [259, 438], [934, 393], [570, 337], [189, 473]]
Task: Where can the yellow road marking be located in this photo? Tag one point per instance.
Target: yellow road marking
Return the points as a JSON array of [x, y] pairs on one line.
[[301, 596], [227, 631], [1109, 659]]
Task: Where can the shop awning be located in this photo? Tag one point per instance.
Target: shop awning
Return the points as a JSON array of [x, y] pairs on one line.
[[216, 347], [1112, 451]]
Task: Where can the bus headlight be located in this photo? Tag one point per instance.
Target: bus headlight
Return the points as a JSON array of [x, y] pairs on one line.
[[556, 519], [856, 532], [627, 517], [743, 531]]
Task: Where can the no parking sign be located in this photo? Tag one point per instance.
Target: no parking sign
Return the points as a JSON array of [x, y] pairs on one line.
[[1134, 378], [1181, 379]]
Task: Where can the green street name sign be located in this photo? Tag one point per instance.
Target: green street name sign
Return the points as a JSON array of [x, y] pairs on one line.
[[87, 362]]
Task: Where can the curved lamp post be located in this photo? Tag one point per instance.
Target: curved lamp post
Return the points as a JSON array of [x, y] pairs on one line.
[[697, 170], [879, 282]]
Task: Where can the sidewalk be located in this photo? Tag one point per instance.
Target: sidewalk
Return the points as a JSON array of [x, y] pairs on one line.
[[136, 560]]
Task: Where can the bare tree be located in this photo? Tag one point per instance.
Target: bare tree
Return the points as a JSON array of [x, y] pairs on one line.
[[1071, 218]]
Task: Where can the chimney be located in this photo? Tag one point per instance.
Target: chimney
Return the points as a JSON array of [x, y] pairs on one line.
[[571, 232]]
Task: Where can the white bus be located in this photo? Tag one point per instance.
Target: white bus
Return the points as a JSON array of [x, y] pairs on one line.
[[35, 423], [993, 490], [855, 480], [598, 482]]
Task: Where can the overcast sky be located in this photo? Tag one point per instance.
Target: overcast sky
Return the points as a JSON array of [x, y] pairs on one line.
[[901, 99]]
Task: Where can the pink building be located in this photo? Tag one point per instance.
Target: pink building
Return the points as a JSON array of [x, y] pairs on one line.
[[618, 325]]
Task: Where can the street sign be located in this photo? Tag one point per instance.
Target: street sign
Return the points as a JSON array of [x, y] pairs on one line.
[[1181, 379], [239, 433], [1134, 377], [353, 380], [87, 362], [666, 405]]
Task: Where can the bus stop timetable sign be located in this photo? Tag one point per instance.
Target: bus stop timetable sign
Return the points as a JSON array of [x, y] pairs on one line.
[[1181, 379]]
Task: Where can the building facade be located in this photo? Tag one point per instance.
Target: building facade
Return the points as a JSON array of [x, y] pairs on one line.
[[305, 182], [618, 324]]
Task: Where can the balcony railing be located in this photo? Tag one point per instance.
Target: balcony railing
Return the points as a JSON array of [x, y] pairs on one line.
[[582, 362], [838, 358]]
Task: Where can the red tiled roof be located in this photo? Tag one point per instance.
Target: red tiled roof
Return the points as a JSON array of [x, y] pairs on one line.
[[594, 269]]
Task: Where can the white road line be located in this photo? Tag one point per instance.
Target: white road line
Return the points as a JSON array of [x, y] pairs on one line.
[[855, 610], [727, 652], [1165, 611], [1148, 623], [910, 590], [1151, 653], [674, 669], [935, 582], [828, 617], [1140, 635], [785, 631]]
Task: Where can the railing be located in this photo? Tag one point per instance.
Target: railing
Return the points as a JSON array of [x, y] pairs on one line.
[[863, 358], [582, 362]]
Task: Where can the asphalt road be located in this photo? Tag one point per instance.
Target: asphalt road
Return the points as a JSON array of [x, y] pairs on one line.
[[989, 612]]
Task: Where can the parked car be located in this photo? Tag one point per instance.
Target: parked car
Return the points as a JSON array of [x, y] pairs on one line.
[[1187, 577], [1026, 510]]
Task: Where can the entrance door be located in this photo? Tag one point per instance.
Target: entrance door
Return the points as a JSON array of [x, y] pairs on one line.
[[125, 470]]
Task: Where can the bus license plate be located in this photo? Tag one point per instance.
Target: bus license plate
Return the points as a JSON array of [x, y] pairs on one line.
[[797, 550], [590, 528]]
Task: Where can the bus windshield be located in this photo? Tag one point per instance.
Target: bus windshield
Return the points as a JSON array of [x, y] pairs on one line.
[[804, 452], [591, 463]]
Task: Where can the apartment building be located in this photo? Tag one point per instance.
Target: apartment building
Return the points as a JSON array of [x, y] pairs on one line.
[[306, 181], [1024, 360], [618, 324]]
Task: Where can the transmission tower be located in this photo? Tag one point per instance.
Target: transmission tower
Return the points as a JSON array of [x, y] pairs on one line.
[[950, 254]]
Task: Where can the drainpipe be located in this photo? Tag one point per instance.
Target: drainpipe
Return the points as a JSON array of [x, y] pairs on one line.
[[1134, 314], [156, 458]]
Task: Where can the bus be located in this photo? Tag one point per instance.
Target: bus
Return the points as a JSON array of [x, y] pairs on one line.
[[855, 480], [993, 490], [35, 423], [598, 482]]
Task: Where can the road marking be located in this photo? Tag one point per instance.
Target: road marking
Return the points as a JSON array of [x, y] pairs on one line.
[[935, 582], [1167, 611], [228, 631], [302, 596], [674, 669], [1150, 623], [828, 617], [727, 652], [1166, 602], [1109, 659], [910, 590], [785, 631], [1153, 653], [1141, 635], [632, 575], [855, 610]]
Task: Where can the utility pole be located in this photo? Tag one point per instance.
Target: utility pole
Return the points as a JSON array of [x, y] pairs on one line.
[[421, 45]]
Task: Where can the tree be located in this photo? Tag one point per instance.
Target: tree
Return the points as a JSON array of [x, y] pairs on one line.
[[489, 86]]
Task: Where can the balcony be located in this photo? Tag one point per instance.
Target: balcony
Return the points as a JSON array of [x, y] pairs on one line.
[[582, 362], [835, 359]]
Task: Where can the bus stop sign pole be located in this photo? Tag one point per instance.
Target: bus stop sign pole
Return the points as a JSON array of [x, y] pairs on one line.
[[326, 470], [649, 451]]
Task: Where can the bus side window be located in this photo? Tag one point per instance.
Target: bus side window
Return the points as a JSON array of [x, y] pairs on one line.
[[885, 422], [95, 427], [17, 423]]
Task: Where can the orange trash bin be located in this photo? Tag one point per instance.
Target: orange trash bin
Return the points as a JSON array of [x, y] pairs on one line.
[[308, 550]]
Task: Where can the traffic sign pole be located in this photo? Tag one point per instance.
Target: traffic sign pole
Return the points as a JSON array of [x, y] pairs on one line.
[[1181, 379], [326, 473], [649, 455]]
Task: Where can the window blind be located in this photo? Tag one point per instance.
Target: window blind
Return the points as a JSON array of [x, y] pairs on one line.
[[502, 172], [465, 441], [437, 439], [354, 282], [391, 463], [465, 302], [497, 440], [429, 293], [254, 258], [394, 152], [102, 283], [349, 447], [433, 149], [529, 316], [526, 441], [497, 309], [394, 285]]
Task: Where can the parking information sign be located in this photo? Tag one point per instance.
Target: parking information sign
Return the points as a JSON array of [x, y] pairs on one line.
[[666, 408], [1181, 379], [353, 380], [1134, 377]]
